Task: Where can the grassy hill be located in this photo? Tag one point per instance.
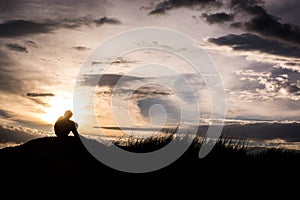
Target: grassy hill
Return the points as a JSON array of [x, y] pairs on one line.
[[54, 157], [65, 167]]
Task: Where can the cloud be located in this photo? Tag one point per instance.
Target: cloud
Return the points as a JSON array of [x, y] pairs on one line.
[[119, 60], [151, 91], [260, 49], [264, 23], [5, 60], [218, 18], [250, 15], [142, 92], [73, 23], [111, 80], [13, 79], [266, 86], [99, 62], [81, 48], [107, 20], [141, 98], [16, 28], [251, 42], [4, 114], [40, 94], [17, 47], [260, 131], [267, 25], [45, 9], [163, 6], [293, 89], [18, 134], [19, 28], [9, 81], [76, 22], [280, 8], [106, 79], [171, 109], [31, 43]]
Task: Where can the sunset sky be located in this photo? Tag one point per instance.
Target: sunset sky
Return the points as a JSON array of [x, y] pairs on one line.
[[255, 45]]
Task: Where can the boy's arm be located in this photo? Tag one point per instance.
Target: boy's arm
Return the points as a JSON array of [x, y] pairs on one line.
[[74, 131]]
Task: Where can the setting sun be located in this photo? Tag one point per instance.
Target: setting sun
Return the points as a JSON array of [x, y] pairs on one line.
[[57, 106]]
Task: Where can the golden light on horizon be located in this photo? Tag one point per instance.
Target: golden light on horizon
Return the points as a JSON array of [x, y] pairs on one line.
[[57, 106]]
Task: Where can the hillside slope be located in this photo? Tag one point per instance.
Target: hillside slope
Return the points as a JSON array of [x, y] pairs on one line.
[[51, 157]]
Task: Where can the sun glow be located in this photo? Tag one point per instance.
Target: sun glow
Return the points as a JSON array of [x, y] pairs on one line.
[[57, 107]]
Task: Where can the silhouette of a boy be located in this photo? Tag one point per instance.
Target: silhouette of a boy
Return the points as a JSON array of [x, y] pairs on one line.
[[63, 126]]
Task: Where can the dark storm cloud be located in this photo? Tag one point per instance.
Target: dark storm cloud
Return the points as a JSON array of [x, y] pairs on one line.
[[32, 94], [236, 25], [170, 4], [269, 26], [287, 10], [17, 47], [251, 42], [18, 28], [15, 28], [250, 15], [107, 20], [264, 23], [218, 18]]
